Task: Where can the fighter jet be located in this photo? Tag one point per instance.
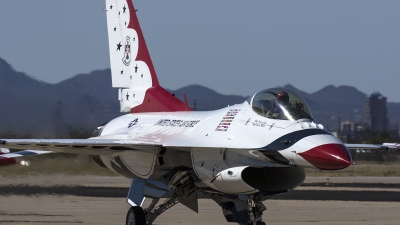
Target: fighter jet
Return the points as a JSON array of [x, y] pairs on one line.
[[238, 156], [8, 161]]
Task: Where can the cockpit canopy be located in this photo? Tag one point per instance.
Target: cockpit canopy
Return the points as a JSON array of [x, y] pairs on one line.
[[280, 103]]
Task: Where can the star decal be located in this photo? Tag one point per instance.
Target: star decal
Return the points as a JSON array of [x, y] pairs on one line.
[[136, 68], [115, 28], [119, 46], [122, 72], [127, 96], [111, 6], [124, 8]]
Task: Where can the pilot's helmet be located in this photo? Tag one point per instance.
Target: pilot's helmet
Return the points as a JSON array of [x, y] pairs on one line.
[[282, 98]]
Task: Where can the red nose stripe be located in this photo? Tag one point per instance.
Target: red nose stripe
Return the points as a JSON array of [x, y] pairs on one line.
[[328, 157]]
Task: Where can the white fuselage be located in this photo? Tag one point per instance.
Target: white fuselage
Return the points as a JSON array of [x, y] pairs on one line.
[[246, 130], [221, 141]]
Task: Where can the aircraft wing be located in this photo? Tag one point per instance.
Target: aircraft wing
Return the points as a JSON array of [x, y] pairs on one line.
[[78, 146], [368, 146]]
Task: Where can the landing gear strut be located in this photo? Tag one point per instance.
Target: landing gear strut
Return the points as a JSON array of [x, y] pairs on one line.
[[255, 209], [184, 191], [242, 209]]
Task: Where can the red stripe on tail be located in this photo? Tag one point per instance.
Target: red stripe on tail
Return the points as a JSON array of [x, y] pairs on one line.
[[157, 99], [143, 52]]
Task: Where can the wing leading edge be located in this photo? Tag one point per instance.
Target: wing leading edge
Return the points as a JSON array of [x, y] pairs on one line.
[[368, 146], [78, 146]]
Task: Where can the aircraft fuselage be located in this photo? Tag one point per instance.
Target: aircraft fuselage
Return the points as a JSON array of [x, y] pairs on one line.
[[219, 145]]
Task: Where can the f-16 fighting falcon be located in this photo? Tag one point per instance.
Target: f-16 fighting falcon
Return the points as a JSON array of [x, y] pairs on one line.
[[238, 156], [7, 161]]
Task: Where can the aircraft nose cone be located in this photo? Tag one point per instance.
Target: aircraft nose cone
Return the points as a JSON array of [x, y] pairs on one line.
[[328, 156]]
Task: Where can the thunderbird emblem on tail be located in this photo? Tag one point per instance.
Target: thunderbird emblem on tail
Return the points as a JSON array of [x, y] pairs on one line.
[[127, 54]]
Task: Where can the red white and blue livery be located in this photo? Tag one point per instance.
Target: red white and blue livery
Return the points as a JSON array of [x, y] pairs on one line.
[[238, 156]]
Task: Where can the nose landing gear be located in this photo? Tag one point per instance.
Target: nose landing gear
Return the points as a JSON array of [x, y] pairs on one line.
[[241, 209], [255, 210]]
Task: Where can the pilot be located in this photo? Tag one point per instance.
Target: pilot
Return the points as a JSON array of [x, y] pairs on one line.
[[282, 99]]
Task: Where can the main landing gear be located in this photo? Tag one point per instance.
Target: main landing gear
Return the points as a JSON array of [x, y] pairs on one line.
[[184, 191], [135, 216], [241, 209]]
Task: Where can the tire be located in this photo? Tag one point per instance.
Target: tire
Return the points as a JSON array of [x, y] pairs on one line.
[[135, 216]]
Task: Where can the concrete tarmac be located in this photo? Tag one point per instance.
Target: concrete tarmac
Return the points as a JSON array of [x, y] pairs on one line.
[[69, 210], [48, 200]]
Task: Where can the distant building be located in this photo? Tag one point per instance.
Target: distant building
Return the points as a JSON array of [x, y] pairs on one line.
[[375, 113], [347, 128]]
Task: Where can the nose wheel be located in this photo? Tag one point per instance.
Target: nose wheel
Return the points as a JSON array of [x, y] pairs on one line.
[[135, 216]]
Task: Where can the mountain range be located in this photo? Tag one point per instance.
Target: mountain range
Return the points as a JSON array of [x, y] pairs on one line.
[[40, 109]]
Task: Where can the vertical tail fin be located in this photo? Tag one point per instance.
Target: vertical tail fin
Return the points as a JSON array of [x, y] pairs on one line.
[[131, 67]]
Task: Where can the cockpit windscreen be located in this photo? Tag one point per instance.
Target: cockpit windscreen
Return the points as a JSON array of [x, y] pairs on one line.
[[280, 103]]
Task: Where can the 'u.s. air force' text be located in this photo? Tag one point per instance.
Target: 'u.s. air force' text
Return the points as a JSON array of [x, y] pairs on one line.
[[176, 123]]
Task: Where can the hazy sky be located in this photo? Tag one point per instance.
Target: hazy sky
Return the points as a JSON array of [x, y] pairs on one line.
[[234, 47]]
